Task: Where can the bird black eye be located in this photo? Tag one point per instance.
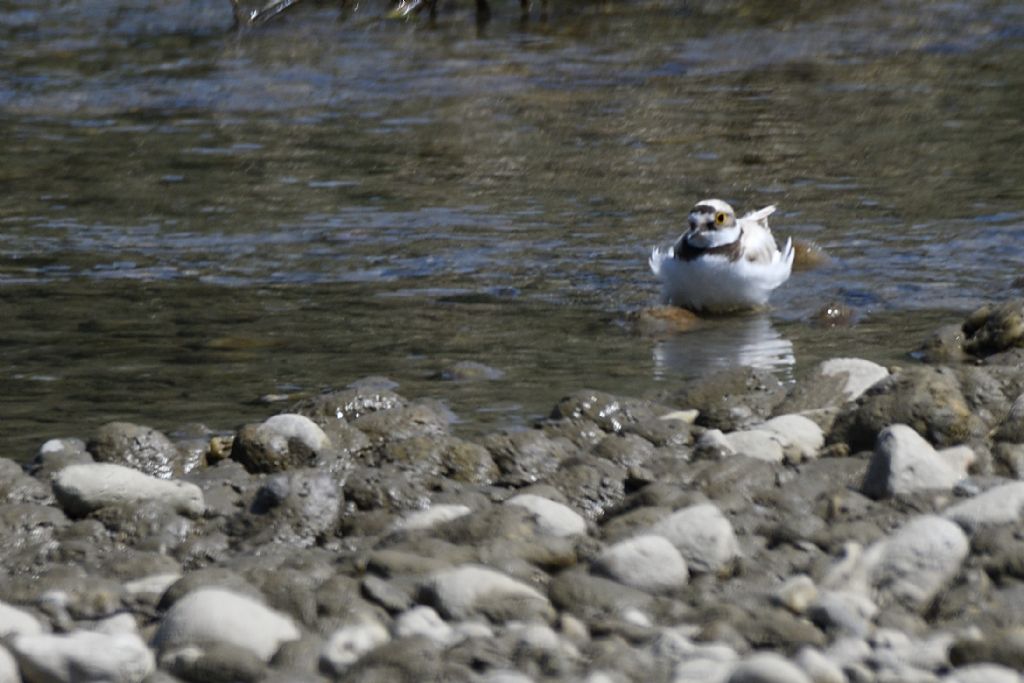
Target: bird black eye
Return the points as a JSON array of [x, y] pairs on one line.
[[720, 218]]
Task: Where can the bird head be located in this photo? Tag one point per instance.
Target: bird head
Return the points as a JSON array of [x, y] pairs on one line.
[[711, 214]]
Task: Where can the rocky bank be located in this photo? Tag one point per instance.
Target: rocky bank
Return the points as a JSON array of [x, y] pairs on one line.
[[864, 524]]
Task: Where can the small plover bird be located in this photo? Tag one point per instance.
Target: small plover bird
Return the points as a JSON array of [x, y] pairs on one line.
[[722, 263]]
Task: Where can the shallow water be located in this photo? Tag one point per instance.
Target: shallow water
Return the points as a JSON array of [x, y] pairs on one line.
[[191, 218]]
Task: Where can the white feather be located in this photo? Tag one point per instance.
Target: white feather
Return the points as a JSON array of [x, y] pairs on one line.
[[714, 283]]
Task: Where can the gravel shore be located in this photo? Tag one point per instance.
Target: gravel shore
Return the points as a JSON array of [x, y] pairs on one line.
[[863, 524]]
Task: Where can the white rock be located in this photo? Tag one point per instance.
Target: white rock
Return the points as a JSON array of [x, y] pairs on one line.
[[860, 374], [14, 621], [1000, 505], [983, 673], [220, 616], [424, 621], [349, 643], [818, 667], [847, 651], [153, 585], [713, 444], [117, 624], [903, 462], [767, 667], [844, 611], [80, 489], [702, 670], [910, 566], [83, 656], [300, 427], [460, 590], [797, 593], [8, 667], [760, 444], [798, 433], [650, 563], [703, 536], [437, 514], [552, 517], [506, 676]]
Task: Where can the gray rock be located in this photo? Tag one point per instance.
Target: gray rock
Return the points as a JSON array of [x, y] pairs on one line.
[[818, 667], [593, 597], [469, 371], [760, 444], [141, 448], [214, 663], [348, 644], [1000, 505], [614, 414], [903, 462], [703, 536], [800, 436], [466, 591], [625, 450], [796, 593], [80, 489], [983, 673], [650, 563], [552, 517], [14, 621], [832, 383], [767, 667], [909, 568], [1003, 646], [424, 621], [402, 423], [56, 454], [215, 615], [8, 667], [928, 399], [995, 328], [733, 399], [1012, 427], [349, 404], [442, 455], [591, 485], [280, 443], [945, 345], [298, 507], [528, 455], [83, 656]]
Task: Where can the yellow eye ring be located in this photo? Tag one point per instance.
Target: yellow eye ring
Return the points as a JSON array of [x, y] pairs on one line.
[[720, 218]]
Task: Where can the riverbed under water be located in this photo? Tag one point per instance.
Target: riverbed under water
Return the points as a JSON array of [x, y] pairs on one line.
[[192, 218]]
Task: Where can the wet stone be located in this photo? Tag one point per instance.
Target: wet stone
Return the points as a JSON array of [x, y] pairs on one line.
[[142, 448], [733, 399], [280, 443], [402, 423], [349, 404], [526, 456], [994, 328]]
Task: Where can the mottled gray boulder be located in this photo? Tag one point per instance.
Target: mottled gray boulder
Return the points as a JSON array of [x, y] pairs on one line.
[[593, 597], [625, 450], [552, 517], [400, 423], [18, 487], [80, 489], [928, 399], [214, 662], [83, 657], [442, 456], [982, 673], [280, 443], [903, 462], [733, 399], [994, 328], [591, 485], [139, 447], [1000, 505], [348, 404], [648, 562], [525, 456], [703, 536], [215, 615], [469, 590], [615, 414]]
